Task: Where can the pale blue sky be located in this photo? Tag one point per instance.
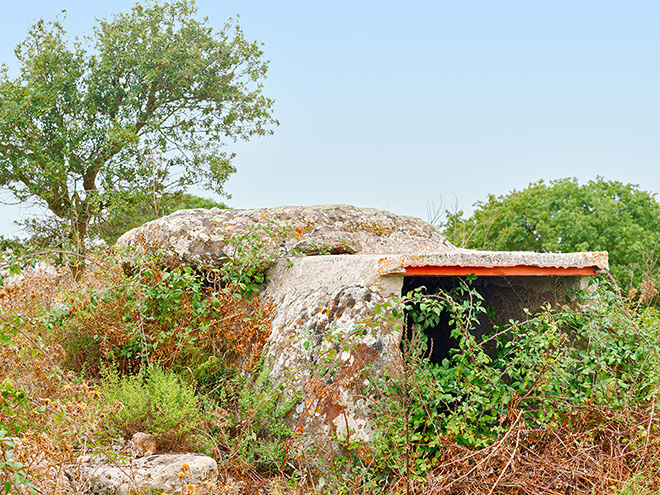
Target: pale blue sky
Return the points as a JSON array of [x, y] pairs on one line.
[[396, 104]]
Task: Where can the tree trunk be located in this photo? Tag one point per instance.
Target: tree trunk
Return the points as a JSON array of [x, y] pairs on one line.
[[78, 238]]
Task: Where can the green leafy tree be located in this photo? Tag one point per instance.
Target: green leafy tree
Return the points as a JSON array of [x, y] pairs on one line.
[[563, 216], [144, 104]]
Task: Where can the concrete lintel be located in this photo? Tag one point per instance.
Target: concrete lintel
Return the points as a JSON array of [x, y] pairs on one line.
[[495, 263]]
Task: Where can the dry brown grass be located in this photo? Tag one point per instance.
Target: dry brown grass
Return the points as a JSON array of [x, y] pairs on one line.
[[57, 419], [33, 292], [597, 452]]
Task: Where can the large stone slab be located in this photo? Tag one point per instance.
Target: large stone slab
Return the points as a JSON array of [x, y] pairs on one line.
[[326, 337], [204, 237]]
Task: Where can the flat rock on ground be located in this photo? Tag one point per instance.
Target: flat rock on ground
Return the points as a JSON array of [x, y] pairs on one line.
[[164, 474]]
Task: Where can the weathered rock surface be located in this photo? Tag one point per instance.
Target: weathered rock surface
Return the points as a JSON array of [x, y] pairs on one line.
[[165, 474], [326, 336], [208, 237]]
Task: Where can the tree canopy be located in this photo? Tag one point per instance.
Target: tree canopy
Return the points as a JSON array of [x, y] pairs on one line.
[[145, 104], [564, 216]]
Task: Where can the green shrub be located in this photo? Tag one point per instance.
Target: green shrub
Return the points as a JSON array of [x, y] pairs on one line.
[[171, 316], [639, 484], [218, 380], [592, 354], [258, 437], [152, 401], [12, 400]]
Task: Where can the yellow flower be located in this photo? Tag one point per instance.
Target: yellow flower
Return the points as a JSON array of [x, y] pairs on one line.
[[185, 466]]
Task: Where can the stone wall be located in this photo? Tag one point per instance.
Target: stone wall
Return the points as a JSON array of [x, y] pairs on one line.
[[325, 303]]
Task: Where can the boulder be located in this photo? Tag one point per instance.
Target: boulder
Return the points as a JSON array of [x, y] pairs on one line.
[[142, 444], [165, 474]]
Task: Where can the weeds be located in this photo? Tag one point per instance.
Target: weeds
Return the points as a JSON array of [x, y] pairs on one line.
[[12, 472], [255, 434], [154, 325], [167, 316]]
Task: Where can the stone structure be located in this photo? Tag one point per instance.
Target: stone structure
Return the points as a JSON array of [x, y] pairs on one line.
[[332, 269]]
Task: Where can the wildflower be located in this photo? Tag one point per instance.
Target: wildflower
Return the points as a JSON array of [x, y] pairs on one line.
[[184, 466]]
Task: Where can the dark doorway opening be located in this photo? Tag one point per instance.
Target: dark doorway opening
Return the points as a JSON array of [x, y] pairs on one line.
[[439, 336], [505, 298]]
